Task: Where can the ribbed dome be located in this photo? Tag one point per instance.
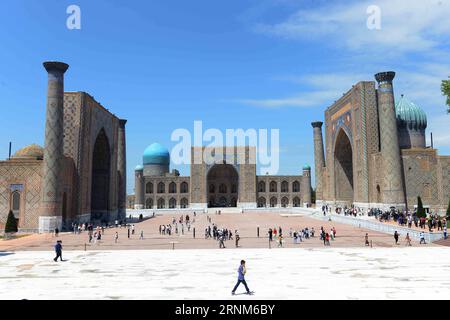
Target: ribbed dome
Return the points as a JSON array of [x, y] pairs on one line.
[[306, 167], [139, 168], [156, 154], [409, 114], [33, 151]]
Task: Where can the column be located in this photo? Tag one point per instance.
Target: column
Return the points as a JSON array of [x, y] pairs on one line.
[[319, 158], [306, 186], [393, 193], [50, 216]]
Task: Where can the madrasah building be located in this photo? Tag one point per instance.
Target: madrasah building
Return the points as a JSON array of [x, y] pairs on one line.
[[79, 175], [375, 154], [228, 182]]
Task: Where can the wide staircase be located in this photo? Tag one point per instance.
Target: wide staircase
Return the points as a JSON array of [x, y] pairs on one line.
[[224, 210]]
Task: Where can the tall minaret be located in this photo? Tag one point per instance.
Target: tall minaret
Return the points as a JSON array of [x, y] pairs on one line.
[[139, 187], [306, 185], [392, 190], [319, 158], [122, 168], [50, 216]]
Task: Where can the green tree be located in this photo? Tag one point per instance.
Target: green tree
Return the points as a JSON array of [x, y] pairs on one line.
[[11, 223], [420, 210], [445, 88]]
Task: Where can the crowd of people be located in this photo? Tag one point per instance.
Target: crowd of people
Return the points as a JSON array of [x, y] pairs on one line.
[[177, 226], [302, 234], [432, 221]]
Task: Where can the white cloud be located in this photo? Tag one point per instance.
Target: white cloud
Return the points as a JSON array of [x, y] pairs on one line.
[[413, 25], [325, 89]]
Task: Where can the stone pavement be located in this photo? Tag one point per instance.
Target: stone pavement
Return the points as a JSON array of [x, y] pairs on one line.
[[247, 223], [314, 273]]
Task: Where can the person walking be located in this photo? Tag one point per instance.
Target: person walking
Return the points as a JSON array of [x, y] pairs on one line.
[[116, 237], [408, 240], [366, 240], [422, 238], [142, 235], [128, 232], [280, 241], [242, 270], [58, 250], [221, 243], [445, 232], [396, 237], [237, 238]]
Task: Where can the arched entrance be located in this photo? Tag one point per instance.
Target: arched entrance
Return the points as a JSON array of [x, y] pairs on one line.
[[101, 171], [222, 185], [64, 212], [343, 168]]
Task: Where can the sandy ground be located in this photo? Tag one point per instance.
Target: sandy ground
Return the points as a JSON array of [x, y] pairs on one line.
[[246, 224]]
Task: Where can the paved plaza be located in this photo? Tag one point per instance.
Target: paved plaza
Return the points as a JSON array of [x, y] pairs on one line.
[[246, 224], [331, 273]]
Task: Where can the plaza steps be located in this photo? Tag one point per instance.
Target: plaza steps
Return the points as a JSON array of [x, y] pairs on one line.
[[224, 210]]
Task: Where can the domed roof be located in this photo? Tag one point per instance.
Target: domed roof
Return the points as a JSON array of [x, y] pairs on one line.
[[410, 114], [33, 151], [306, 167], [139, 168], [156, 154]]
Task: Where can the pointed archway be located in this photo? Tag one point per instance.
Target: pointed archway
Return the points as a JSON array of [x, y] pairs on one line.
[[222, 182], [343, 168], [101, 177]]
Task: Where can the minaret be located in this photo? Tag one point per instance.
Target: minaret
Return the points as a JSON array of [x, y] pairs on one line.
[[122, 168], [392, 190], [306, 185], [50, 216], [319, 158], [139, 187]]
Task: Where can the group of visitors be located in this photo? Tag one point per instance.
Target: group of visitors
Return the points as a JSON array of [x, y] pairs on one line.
[[221, 235], [178, 226], [300, 235]]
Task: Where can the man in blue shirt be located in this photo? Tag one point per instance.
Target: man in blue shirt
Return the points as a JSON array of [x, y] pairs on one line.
[[241, 278], [58, 250]]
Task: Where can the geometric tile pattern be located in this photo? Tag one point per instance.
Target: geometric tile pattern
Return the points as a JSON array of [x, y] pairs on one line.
[[380, 170]]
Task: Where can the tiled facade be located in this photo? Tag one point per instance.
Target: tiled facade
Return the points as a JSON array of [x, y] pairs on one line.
[[225, 182], [364, 164], [90, 140]]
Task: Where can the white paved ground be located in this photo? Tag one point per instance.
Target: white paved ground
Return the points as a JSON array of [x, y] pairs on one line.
[[331, 273]]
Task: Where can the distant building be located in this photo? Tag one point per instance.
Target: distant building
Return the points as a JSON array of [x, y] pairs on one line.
[[225, 183]]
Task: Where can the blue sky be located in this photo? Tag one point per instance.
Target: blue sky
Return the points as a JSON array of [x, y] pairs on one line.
[[232, 64]]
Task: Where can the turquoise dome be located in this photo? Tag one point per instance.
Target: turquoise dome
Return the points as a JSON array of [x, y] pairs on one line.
[[306, 167], [156, 154], [410, 115], [139, 168]]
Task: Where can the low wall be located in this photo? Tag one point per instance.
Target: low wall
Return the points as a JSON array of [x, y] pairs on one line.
[[381, 227]]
